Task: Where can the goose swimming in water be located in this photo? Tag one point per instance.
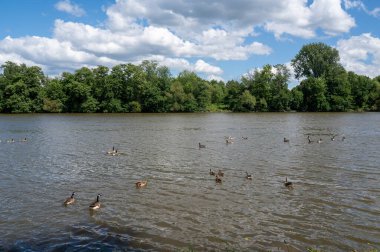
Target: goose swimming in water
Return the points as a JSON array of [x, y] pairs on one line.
[[141, 183], [113, 152], [286, 140], [229, 141], [70, 200], [212, 173], [218, 179], [248, 176], [201, 145], [309, 139], [288, 184], [96, 204]]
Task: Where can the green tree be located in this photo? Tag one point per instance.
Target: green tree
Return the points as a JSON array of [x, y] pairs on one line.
[[338, 88], [314, 90], [279, 93], [218, 92], [296, 99], [233, 96], [99, 87], [361, 89], [21, 88], [176, 97], [377, 94], [314, 60], [157, 83], [16, 98], [198, 95], [78, 94], [54, 97], [259, 84], [247, 102]]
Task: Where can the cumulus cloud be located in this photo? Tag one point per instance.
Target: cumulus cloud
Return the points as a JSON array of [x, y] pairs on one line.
[[360, 54], [190, 18], [49, 53], [176, 32], [71, 8]]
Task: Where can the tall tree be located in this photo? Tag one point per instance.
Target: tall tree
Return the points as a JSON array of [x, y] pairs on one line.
[[314, 60]]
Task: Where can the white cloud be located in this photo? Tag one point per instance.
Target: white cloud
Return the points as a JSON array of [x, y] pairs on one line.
[[71, 8], [300, 20], [354, 4], [357, 4], [214, 77], [329, 15], [375, 12], [181, 64], [49, 53], [176, 32], [361, 54], [203, 67]]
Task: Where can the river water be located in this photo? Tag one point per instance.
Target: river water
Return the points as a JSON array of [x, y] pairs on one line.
[[334, 205]]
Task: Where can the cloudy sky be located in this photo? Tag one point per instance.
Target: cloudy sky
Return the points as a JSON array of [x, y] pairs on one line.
[[217, 39]]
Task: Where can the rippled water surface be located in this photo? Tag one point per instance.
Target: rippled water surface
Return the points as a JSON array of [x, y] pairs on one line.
[[334, 206]]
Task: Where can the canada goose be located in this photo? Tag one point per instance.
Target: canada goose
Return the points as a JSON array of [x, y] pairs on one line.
[[218, 179], [220, 173], [212, 172], [229, 141], [320, 140], [201, 145], [249, 176], [244, 138], [286, 140], [309, 139], [288, 184], [141, 183], [343, 137], [96, 204], [112, 152], [70, 200]]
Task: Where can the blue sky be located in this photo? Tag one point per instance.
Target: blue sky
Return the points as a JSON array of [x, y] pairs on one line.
[[217, 39]]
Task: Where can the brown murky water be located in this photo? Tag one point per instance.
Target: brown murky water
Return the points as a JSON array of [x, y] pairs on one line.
[[334, 206]]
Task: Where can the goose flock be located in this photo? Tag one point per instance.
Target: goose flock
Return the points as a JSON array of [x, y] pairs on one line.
[[218, 175], [12, 140]]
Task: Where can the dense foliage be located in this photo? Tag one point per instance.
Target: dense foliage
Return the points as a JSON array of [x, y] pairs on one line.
[[148, 87]]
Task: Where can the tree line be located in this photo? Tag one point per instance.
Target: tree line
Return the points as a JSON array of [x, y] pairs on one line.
[[148, 87]]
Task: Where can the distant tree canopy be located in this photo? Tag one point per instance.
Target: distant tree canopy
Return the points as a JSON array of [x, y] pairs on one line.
[[148, 87]]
